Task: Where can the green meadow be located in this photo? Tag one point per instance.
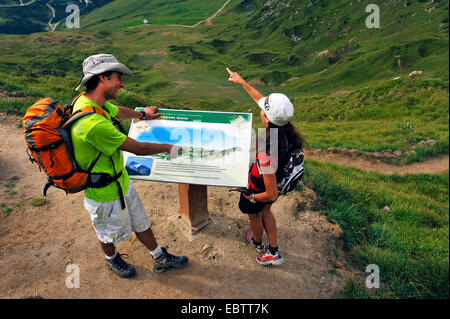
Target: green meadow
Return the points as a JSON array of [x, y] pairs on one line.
[[349, 86], [124, 14], [409, 241]]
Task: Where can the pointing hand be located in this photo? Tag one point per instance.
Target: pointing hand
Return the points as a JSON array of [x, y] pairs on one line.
[[234, 77]]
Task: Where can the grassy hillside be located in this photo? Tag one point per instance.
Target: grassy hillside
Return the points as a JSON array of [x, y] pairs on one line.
[[320, 53], [396, 116], [408, 240], [124, 14], [326, 42]]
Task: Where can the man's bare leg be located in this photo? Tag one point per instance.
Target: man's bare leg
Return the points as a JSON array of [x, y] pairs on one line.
[[148, 239], [108, 248]]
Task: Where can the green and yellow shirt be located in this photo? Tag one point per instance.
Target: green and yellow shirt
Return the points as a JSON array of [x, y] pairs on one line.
[[93, 134]]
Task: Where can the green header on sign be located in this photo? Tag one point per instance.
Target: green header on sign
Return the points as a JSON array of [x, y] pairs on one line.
[[199, 116]]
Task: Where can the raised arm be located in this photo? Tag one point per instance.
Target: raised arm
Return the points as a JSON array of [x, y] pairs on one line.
[[236, 78]]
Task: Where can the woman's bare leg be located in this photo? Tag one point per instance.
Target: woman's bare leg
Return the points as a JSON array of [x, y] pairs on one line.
[[256, 226], [270, 225]]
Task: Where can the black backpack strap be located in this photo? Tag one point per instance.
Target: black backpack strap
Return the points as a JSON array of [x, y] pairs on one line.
[[68, 109], [46, 148], [118, 125], [94, 162], [115, 179], [47, 186]]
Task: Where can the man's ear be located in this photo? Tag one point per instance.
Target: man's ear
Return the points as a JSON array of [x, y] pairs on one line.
[[102, 78]]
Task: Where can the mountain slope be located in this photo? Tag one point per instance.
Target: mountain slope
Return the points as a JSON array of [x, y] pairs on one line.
[[24, 17], [327, 45], [123, 14], [324, 43], [304, 46]]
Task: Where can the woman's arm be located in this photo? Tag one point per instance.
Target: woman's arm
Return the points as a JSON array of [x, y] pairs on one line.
[[236, 78], [270, 183], [271, 193]]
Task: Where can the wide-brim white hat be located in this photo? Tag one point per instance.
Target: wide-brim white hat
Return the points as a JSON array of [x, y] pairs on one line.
[[278, 108], [100, 63]]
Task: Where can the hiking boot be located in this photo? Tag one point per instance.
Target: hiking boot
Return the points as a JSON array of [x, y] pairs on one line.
[[267, 258], [260, 248], [120, 266], [166, 261]]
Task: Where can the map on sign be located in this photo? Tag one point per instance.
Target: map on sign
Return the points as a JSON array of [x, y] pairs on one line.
[[215, 148]]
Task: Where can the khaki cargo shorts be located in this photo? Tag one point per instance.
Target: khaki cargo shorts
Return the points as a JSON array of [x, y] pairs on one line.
[[114, 225]]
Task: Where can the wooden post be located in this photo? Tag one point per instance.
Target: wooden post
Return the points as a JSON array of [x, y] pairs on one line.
[[193, 206]]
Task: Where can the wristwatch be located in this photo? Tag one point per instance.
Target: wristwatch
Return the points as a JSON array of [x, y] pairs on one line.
[[143, 115], [252, 198]]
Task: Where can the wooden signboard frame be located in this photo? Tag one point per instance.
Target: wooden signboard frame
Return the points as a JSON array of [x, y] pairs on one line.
[[194, 206]]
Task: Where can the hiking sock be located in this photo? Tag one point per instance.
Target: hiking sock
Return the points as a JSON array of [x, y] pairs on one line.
[[273, 250], [257, 243], [155, 253], [111, 257]]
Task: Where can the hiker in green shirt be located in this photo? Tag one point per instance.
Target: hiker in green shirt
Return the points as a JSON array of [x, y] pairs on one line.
[[115, 209]]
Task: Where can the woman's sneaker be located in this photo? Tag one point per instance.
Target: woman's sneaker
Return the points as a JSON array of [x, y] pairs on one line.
[[259, 247], [267, 258], [120, 266], [166, 261]]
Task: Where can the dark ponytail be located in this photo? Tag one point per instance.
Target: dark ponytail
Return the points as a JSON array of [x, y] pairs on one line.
[[293, 137], [287, 136]]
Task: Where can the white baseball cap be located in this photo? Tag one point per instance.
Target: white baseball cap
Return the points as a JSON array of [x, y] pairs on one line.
[[100, 63], [278, 108]]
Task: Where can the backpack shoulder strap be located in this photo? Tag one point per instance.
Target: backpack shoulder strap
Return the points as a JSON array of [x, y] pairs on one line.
[[83, 112], [88, 110], [69, 108], [258, 167], [118, 125], [92, 110]]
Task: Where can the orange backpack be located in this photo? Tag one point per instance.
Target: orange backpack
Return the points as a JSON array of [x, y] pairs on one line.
[[47, 134]]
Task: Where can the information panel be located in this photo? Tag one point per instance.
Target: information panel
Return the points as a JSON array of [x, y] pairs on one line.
[[215, 148]]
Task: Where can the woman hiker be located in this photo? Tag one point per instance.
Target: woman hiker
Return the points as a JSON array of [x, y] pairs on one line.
[[262, 191]]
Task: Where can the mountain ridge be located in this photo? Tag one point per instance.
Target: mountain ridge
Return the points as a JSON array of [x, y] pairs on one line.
[[20, 17]]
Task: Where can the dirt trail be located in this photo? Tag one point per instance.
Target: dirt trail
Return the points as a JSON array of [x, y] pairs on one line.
[[208, 21], [431, 166], [37, 243]]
